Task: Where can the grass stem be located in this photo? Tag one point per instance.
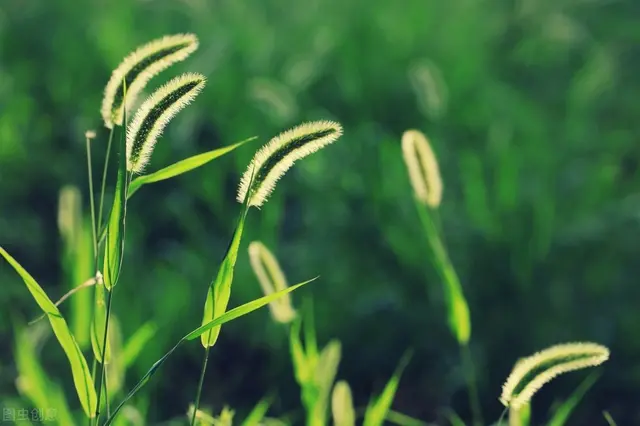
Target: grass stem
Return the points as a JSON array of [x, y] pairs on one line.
[[104, 347], [200, 384], [104, 179], [470, 375]]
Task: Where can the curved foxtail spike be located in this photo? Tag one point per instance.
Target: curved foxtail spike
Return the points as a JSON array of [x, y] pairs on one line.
[[280, 153], [154, 114], [138, 68], [271, 279], [531, 373], [422, 166]]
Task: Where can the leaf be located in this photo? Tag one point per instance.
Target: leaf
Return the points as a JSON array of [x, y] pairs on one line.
[[243, 310], [137, 342], [325, 373], [257, 414], [228, 316], [220, 289], [377, 410], [454, 419], [404, 420], [33, 382], [116, 225], [79, 369], [563, 412], [98, 323], [183, 166], [608, 418]]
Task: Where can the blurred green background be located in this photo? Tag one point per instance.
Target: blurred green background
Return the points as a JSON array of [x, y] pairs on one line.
[[531, 106]]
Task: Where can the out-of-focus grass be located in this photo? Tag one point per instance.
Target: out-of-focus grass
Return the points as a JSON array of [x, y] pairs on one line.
[[531, 106]]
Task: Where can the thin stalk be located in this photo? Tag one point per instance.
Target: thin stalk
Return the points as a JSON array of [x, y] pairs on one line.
[[104, 347], [104, 178], [200, 384], [106, 393], [93, 379], [448, 274], [92, 203], [474, 398]]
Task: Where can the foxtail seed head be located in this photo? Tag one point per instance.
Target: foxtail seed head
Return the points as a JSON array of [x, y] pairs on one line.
[[271, 279], [69, 213], [280, 153], [342, 405], [422, 166], [154, 114], [138, 68], [531, 373]]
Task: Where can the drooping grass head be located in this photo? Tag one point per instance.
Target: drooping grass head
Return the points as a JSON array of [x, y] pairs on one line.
[[138, 68], [279, 154], [154, 114], [422, 166], [531, 373], [271, 279]]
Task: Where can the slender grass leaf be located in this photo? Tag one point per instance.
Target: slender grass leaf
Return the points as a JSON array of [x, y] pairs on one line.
[[257, 414], [97, 324], [33, 382], [183, 166], [377, 410], [561, 415], [116, 225], [608, 418], [401, 419], [301, 366], [454, 418], [137, 342], [243, 310], [226, 317], [219, 290], [79, 369]]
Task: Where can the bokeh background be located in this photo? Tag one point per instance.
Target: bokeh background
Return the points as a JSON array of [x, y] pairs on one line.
[[532, 108]]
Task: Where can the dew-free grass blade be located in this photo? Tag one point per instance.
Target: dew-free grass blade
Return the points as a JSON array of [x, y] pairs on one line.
[[114, 249], [325, 373], [562, 413], [183, 166], [608, 418], [219, 290], [531, 373], [138, 68], [401, 419], [79, 369], [259, 411], [377, 410], [97, 324], [137, 342], [224, 318]]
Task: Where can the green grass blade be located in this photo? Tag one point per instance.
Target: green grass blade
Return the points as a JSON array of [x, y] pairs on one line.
[[183, 166], [243, 310], [561, 415], [401, 419], [377, 410], [97, 324], [300, 362], [115, 230], [257, 414], [79, 369], [219, 291], [137, 342], [229, 316], [325, 373], [454, 418], [608, 418]]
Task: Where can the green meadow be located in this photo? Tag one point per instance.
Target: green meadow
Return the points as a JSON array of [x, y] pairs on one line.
[[278, 213]]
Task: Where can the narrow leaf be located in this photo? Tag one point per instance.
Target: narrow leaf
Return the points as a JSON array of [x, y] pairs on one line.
[[229, 316], [563, 412], [183, 166], [257, 414], [79, 369], [243, 310], [378, 409], [137, 342], [116, 226]]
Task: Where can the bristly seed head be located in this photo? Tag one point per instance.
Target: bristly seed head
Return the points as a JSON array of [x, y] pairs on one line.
[[271, 279], [154, 114], [531, 373], [280, 153], [422, 166], [138, 68]]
